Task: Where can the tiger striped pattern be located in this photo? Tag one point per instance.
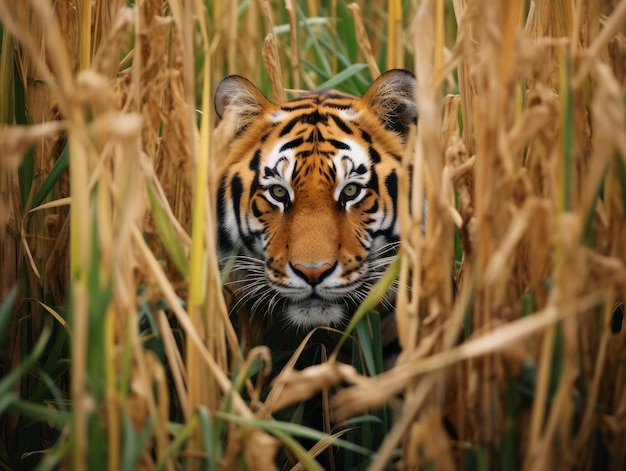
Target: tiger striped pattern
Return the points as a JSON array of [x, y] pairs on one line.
[[308, 194]]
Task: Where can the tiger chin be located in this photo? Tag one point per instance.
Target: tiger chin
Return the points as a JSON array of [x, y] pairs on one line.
[[308, 195]]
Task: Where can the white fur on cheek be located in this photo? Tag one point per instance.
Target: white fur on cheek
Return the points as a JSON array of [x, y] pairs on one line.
[[230, 222]]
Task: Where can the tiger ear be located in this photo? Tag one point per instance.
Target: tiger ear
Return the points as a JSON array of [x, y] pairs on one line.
[[392, 98], [241, 97]]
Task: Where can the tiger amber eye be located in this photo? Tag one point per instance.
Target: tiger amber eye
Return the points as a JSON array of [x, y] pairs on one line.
[[278, 192], [350, 190]]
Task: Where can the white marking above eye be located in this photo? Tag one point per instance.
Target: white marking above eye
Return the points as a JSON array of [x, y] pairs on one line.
[[277, 116], [346, 162], [280, 166], [349, 114]]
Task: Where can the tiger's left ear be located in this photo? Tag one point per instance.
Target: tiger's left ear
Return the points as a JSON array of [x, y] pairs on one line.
[[241, 96], [392, 98]]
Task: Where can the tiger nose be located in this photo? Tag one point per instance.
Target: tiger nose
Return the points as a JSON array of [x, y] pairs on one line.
[[314, 274]]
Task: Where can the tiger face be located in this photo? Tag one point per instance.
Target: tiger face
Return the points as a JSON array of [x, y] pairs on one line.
[[308, 193]]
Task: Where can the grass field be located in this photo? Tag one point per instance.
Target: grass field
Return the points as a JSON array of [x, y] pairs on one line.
[[117, 349]]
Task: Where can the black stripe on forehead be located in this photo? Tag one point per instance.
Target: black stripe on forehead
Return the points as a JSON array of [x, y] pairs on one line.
[[288, 127], [373, 183], [341, 124], [291, 144], [374, 155], [254, 162], [295, 106], [338, 105], [303, 154], [297, 175], [335, 95], [338, 144], [327, 97], [315, 117]]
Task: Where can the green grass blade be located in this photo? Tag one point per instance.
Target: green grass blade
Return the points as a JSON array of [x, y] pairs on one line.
[[40, 413], [315, 44], [315, 69], [53, 177], [5, 313], [10, 379], [285, 29], [291, 430], [6, 401], [368, 333], [346, 74], [133, 444], [26, 175], [345, 29], [475, 459], [300, 453], [361, 419], [209, 440], [50, 385], [168, 235], [100, 292], [182, 434]]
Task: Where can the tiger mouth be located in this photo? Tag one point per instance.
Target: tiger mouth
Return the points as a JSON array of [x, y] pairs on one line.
[[326, 304], [315, 312]]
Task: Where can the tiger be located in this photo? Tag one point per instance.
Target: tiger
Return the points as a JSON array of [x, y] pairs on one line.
[[307, 197]]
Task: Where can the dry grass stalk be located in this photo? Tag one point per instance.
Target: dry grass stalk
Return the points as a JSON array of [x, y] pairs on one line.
[[272, 65], [251, 36], [271, 58], [231, 34], [293, 40], [364, 43], [395, 36]]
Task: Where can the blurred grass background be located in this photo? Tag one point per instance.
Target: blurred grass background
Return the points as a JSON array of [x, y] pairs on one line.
[[116, 348]]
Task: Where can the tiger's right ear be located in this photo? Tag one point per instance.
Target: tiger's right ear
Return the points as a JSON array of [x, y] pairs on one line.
[[392, 98], [241, 97]]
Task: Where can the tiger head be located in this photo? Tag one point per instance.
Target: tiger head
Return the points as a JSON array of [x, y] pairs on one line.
[[308, 193]]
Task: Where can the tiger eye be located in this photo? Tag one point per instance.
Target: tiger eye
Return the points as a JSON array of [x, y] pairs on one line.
[[350, 191], [278, 192]]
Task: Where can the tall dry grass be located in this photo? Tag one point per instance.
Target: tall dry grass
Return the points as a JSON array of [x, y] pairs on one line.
[[118, 350]]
